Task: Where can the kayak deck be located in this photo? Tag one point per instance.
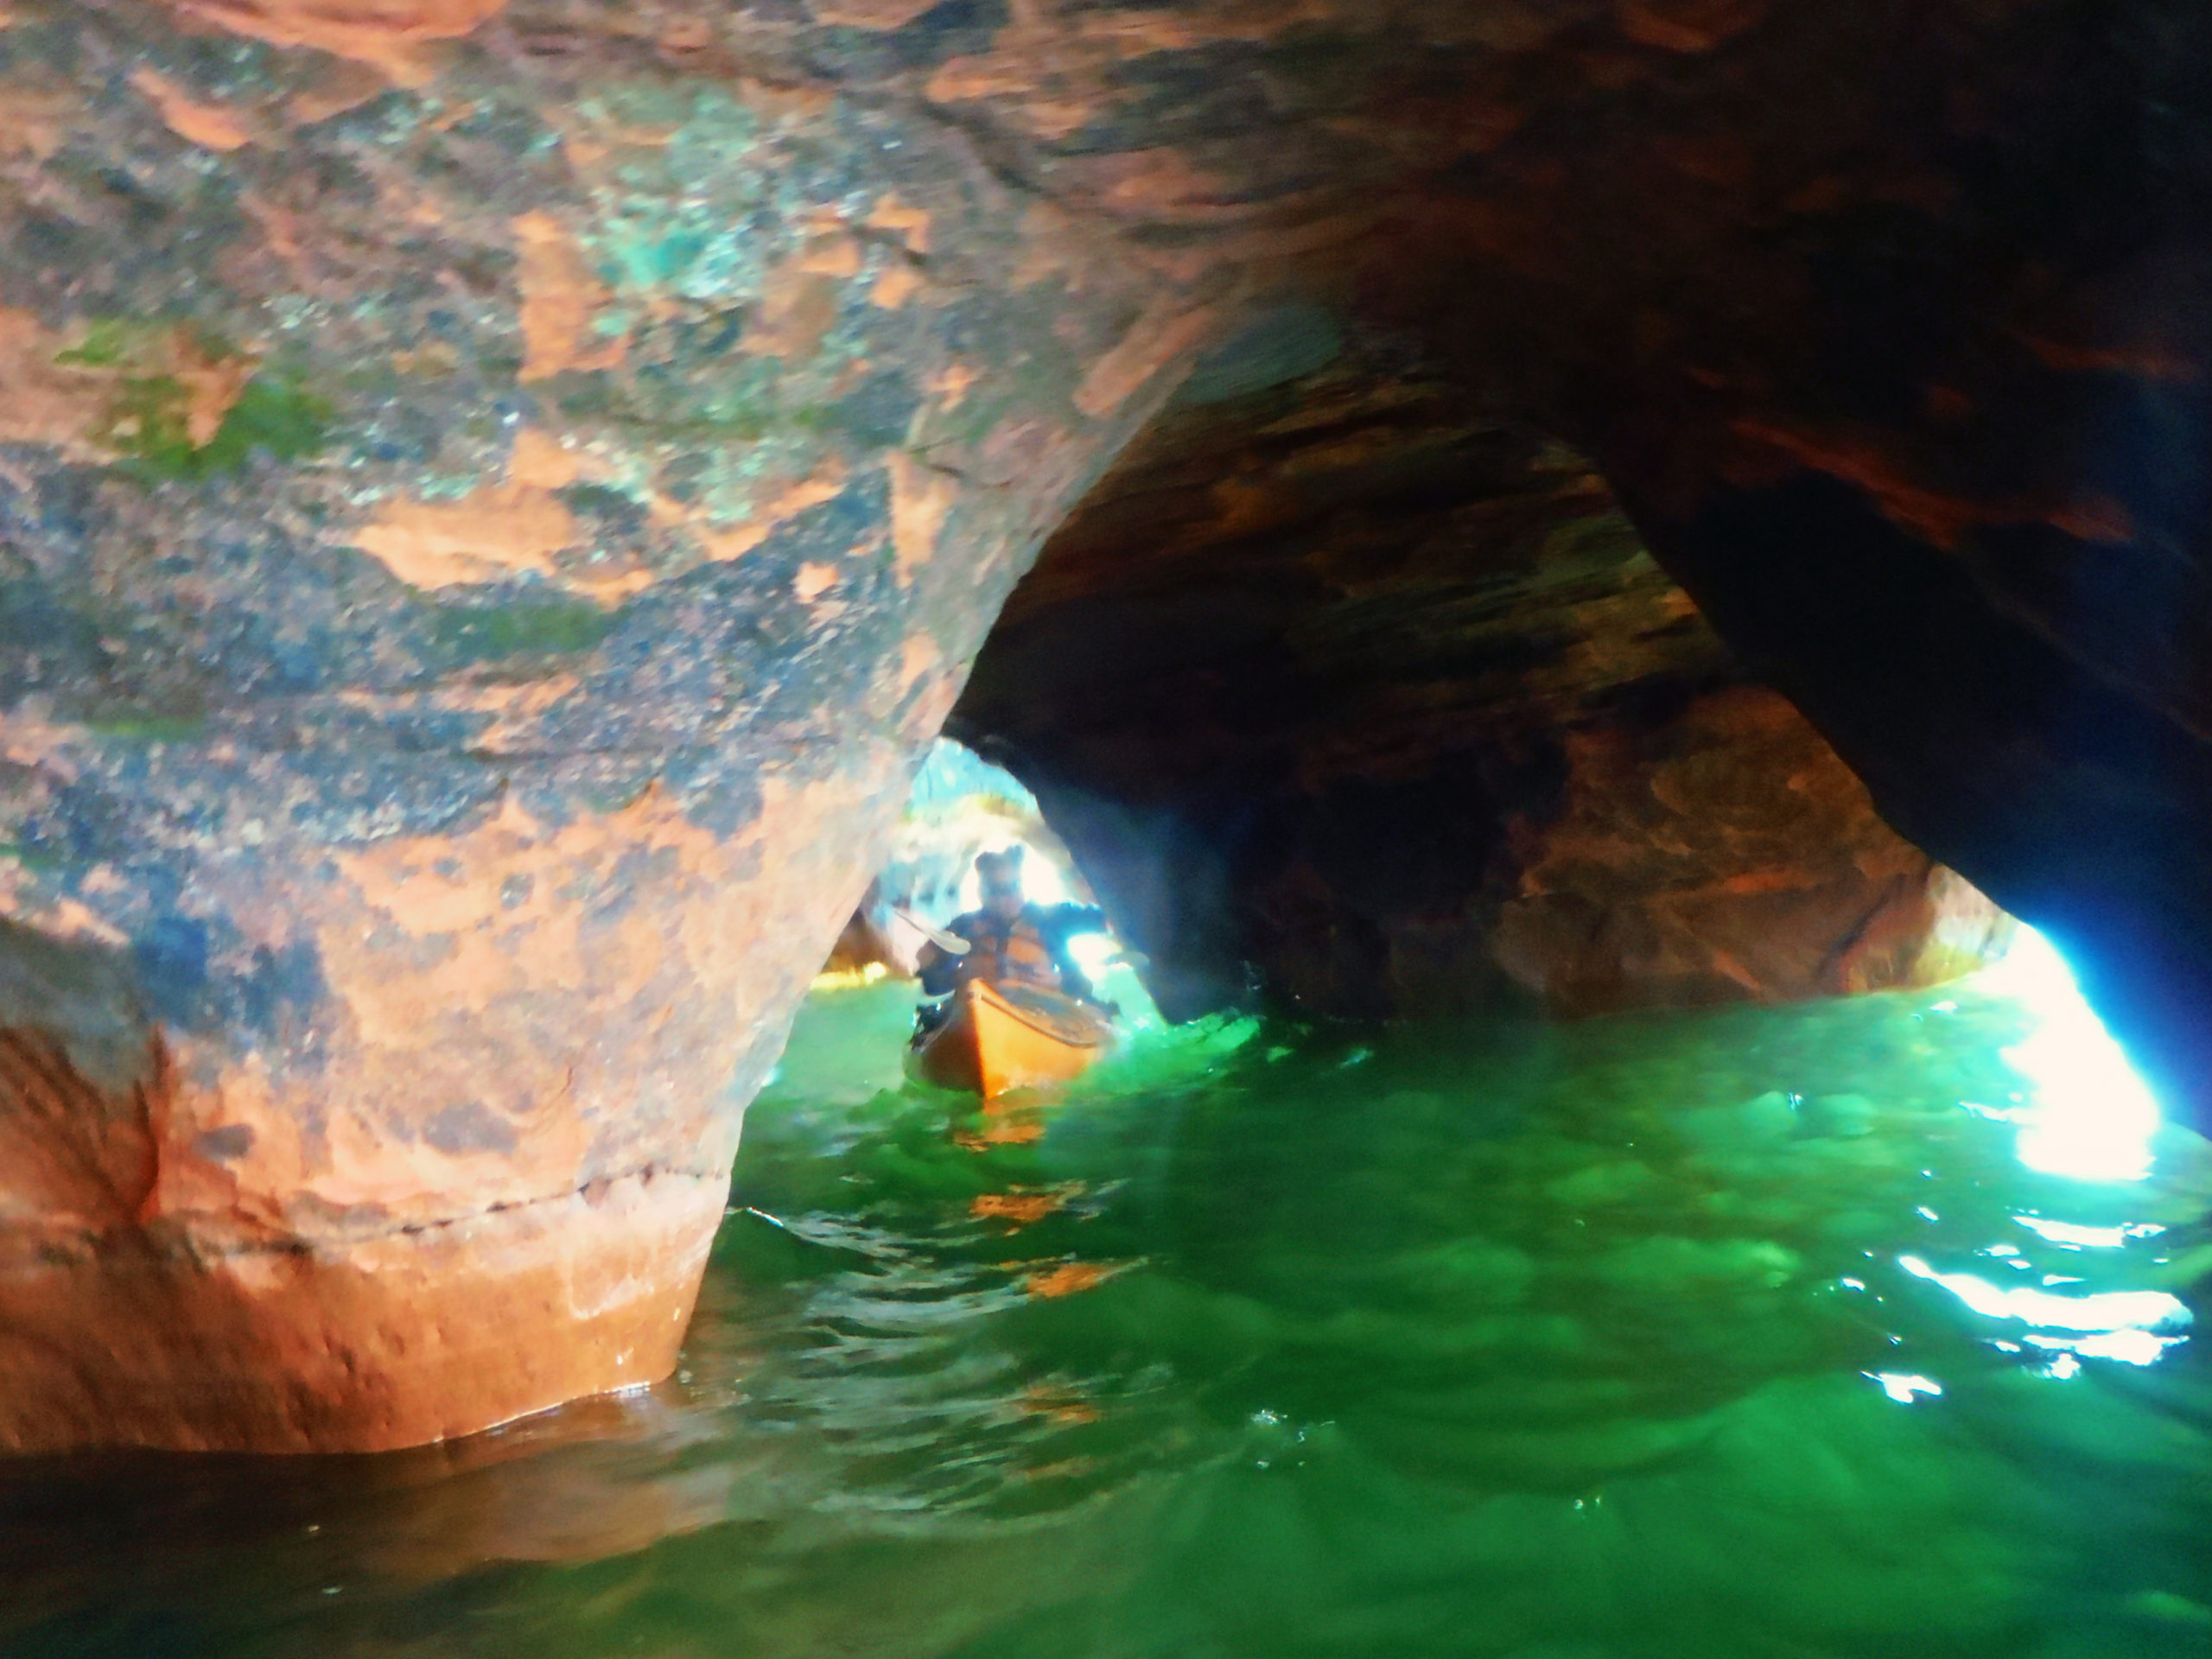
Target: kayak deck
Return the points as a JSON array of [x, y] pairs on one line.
[[1003, 1037]]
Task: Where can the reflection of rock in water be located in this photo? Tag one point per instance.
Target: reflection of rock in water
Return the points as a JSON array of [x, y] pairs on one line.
[[961, 805], [600, 1477]]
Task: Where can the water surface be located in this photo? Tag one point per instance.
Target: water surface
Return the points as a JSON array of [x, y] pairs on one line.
[[1686, 1337]]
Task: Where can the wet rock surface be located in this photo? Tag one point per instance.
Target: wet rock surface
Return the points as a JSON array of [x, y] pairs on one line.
[[472, 517]]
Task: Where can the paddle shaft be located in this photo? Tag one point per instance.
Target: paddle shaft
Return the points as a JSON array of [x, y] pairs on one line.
[[952, 943]]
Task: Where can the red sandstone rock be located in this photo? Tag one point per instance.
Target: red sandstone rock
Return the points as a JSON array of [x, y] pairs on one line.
[[1339, 686], [148, 1334], [1727, 857], [564, 555], [484, 1181]]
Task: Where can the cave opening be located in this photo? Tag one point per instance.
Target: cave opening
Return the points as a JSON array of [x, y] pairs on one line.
[[962, 808], [1352, 699]]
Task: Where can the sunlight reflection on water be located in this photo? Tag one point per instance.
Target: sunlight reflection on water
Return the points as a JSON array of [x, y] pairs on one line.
[[2085, 1115], [2122, 1324]]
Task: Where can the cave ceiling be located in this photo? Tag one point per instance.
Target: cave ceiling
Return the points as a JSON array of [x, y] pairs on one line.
[[1350, 698]]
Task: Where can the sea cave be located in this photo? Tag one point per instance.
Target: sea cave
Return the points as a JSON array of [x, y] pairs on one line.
[[1589, 617]]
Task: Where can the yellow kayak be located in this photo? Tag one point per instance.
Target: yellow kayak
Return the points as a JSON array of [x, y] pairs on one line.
[[1002, 1037]]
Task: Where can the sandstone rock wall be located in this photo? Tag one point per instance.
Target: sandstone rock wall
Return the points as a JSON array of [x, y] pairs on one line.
[[488, 522], [1350, 698]]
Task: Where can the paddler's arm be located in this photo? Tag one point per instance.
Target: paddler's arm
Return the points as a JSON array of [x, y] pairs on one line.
[[939, 969], [937, 963]]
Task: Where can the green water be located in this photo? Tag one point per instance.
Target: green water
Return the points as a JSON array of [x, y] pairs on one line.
[[1606, 1341]]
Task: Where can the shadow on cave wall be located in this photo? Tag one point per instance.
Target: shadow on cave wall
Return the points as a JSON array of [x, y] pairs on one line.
[[1350, 698]]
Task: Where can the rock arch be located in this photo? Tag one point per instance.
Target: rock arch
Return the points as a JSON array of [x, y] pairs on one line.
[[1356, 699]]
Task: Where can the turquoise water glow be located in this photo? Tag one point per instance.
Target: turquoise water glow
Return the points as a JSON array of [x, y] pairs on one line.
[[1747, 1333]]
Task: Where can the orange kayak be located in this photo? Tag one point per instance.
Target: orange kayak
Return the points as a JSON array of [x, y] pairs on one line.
[[1002, 1037]]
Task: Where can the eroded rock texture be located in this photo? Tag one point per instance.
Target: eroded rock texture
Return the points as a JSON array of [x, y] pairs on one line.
[[487, 529], [1883, 328], [494, 496], [1350, 697]]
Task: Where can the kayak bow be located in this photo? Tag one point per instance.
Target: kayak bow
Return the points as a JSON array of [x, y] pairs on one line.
[[1002, 1037]]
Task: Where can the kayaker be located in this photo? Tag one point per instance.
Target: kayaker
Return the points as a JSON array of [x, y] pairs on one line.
[[1011, 941]]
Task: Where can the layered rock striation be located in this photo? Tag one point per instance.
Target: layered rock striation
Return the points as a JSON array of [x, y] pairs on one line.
[[1353, 700], [488, 527]]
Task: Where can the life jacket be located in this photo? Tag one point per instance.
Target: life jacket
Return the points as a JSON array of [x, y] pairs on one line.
[[1015, 952]]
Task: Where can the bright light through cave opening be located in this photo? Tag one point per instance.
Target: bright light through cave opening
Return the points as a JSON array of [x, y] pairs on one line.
[[2086, 1113], [961, 805]]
